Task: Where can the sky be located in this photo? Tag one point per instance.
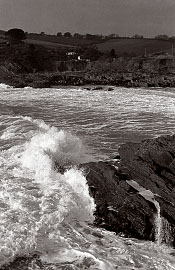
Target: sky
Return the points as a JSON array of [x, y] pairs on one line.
[[123, 17]]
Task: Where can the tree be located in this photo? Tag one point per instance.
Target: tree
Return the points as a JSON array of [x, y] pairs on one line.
[[90, 36], [112, 53], [39, 58], [67, 34], [59, 34], [136, 36], [77, 35], [15, 35], [113, 36], [163, 37], [92, 53]]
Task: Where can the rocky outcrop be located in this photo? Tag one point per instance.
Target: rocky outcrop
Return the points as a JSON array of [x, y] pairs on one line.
[[119, 207], [136, 195], [152, 164], [11, 75], [25, 263]]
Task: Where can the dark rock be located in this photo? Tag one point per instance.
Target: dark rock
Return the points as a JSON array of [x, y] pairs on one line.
[[152, 164], [127, 197], [117, 157], [119, 207], [24, 263], [110, 89]]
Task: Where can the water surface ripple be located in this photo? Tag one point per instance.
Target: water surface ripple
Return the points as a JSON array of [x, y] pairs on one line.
[[102, 119]]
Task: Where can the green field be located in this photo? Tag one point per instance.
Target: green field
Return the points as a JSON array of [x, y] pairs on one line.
[[135, 46]]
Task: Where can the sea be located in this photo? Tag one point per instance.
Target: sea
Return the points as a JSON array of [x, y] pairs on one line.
[[51, 214]]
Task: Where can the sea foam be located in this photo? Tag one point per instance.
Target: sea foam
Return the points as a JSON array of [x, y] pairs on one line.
[[35, 199], [38, 160]]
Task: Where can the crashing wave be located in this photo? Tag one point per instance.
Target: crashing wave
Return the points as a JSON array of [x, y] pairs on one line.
[[50, 213], [5, 86], [35, 200]]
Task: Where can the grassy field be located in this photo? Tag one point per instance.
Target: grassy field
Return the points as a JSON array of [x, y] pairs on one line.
[[122, 46], [63, 40], [135, 46], [47, 44]]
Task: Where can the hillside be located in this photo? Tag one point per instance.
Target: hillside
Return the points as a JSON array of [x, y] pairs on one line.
[[37, 59], [122, 46], [135, 46], [48, 44], [71, 41]]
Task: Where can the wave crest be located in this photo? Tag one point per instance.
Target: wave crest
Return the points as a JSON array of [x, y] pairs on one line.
[[36, 199]]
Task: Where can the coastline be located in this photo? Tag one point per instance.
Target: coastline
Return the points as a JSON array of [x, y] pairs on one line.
[[55, 79]]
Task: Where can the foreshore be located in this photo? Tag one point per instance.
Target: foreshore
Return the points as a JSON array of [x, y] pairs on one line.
[[112, 78]]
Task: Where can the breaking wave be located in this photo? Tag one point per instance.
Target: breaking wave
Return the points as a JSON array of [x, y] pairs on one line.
[[46, 209], [35, 199], [5, 86]]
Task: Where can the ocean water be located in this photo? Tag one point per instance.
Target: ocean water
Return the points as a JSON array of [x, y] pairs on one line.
[[51, 214]]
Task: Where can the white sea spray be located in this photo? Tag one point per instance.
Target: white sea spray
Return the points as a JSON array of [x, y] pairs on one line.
[[35, 196], [49, 212]]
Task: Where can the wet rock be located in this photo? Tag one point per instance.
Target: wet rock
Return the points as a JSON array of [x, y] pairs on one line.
[[117, 157], [24, 263], [152, 164], [129, 192], [110, 89], [119, 207], [97, 88]]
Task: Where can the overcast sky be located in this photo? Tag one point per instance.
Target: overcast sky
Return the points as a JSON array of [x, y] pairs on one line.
[[123, 17]]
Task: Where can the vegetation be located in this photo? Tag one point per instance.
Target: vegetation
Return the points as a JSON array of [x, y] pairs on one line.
[[137, 36], [64, 40], [68, 35], [112, 53], [29, 61], [135, 47], [162, 37], [59, 34], [15, 35]]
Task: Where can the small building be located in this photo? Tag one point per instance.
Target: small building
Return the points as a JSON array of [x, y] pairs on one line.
[[71, 53]]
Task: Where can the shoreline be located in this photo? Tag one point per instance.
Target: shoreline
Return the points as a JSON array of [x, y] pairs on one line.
[[86, 79]]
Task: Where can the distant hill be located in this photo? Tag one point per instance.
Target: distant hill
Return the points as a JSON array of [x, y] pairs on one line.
[[135, 46], [72, 41], [47, 44], [122, 46]]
